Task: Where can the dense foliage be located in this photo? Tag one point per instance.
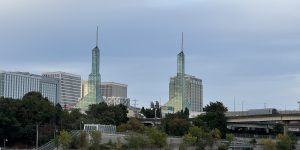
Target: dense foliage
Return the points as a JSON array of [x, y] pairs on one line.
[[19, 119], [176, 124], [150, 112], [214, 118]]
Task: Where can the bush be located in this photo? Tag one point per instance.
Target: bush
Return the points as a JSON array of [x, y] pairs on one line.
[[65, 139], [156, 137], [284, 142], [268, 144], [137, 141], [96, 139]]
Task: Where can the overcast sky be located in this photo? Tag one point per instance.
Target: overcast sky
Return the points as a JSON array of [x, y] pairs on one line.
[[248, 49]]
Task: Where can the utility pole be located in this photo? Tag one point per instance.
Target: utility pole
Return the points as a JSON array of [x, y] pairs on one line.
[[135, 108], [243, 106], [265, 105], [299, 104], [234, 103], [37, 136]]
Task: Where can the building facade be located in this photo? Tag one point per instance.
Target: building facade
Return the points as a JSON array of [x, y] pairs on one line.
[[193, 92], [112, 89], [17, 84], [113, 93], [70, 87], [185, 91]]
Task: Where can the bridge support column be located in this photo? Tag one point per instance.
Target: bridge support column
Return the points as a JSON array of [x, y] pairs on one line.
[[285, 127]]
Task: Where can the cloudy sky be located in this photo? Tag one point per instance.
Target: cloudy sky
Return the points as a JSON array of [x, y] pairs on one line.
[[248, 49]]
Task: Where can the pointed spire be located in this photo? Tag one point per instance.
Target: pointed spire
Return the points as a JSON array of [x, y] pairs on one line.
[[97, 37], [182, 41]]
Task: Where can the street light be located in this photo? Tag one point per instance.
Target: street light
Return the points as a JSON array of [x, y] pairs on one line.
[[5, 140]]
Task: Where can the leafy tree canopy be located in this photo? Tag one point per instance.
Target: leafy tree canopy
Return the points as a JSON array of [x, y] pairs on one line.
[[215, 107]]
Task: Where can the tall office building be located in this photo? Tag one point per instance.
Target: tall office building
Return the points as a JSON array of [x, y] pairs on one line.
[[113, 93], [185, 91], [193, 92], [94, 93], [70, 86], [17, 84]]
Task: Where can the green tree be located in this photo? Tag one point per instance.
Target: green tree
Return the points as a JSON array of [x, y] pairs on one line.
[[229, 138], [132, 125], [215, 107], [277, 129], [213, 120], [176, 124], [284, 142], [156, 137], [137, 141], [96, 139], [64, 139], [103, 114], [189, 139]]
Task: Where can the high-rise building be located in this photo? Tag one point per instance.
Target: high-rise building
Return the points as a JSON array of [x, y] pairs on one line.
[[193, 92], [185, 91], [113, 93], [94, 93], [17, 84], [70, 87]]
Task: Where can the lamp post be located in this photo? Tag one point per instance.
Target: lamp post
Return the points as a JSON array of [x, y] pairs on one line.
[[5, 140]]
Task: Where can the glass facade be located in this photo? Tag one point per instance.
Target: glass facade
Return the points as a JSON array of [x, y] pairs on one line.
[[94, 93], [185, 91], [17, 84], [70, 87]]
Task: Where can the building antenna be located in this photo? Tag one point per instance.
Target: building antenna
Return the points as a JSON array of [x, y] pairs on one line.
[[182, 41], [97, 37]]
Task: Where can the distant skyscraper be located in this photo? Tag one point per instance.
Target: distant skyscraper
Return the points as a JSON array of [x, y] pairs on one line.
[[185, 91], [17, 84], [94, 95], [70, 86]]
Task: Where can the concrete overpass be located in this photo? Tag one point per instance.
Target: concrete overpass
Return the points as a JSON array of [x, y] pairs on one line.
[[266, 121]]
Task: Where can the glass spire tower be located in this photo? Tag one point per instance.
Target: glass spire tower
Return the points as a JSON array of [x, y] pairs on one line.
[[178, 101], [94, 95]]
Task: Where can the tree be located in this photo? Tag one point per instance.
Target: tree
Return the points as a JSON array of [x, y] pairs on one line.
[[284, 142], [64, 139], [137, 141], [189, 139], [229, 138], [132, 125], [103, 114], [215, 107], [96, 139], [213, 120], [79, 141], [176, 124], [186, 112], [156, 137], [278, 129]]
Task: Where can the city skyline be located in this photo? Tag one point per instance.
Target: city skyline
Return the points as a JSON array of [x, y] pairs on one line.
[[246, 50]]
